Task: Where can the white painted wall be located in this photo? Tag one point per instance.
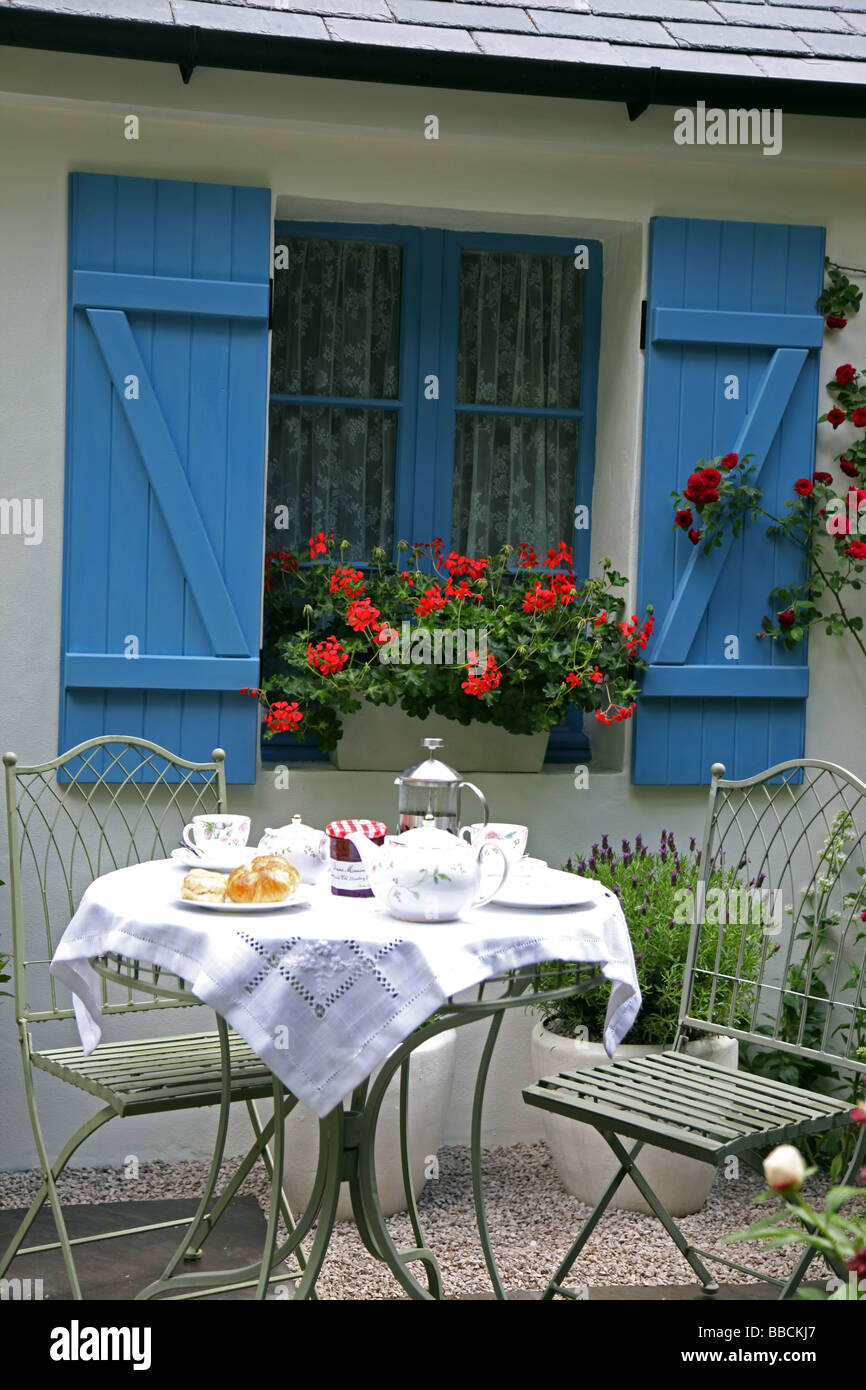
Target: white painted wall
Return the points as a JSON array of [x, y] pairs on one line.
[[347, 150]]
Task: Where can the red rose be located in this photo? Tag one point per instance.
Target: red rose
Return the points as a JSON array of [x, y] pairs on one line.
[[835, 321], [788, 618], [845, 375], [711, 476], [694, 536], [730, 461], [857, 550], [858, 417], [803, 487], [825, 478], [849, 468], [684, 518], [836, 417]]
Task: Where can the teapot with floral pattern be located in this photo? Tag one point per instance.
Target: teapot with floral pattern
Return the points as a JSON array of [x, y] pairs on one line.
[[305, 847], [427, 874]]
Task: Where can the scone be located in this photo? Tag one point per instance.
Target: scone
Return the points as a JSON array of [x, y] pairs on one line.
[[268, 879], [204, 886]]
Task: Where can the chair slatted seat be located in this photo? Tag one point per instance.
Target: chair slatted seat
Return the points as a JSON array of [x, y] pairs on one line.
[[793, 838], [140, 1075], [687, 1105]]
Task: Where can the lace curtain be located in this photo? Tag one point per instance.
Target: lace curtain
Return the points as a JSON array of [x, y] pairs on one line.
[[337, 334], [519, 345]]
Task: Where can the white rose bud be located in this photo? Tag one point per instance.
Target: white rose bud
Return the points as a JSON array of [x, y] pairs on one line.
[[784, 1169]]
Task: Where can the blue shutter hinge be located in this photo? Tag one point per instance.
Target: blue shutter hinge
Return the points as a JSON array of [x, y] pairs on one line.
[[643, 324], [189, 62]]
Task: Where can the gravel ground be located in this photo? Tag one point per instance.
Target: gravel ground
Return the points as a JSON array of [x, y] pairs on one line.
[[532, 1222]]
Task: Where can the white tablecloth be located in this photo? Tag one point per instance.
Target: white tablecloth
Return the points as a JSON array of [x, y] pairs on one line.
[[324, 992]]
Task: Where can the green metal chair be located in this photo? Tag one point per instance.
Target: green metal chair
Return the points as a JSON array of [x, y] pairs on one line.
[[797, 831], [105, 804]]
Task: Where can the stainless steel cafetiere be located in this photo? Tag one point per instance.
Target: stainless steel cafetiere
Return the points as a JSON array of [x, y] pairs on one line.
[[432, 788]]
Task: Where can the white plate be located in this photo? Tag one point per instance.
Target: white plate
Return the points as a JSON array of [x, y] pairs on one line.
[[297, 899], [547, 888], [221, 862]]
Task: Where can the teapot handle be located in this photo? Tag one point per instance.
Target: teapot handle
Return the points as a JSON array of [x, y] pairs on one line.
[[491, 844], [481, 797]]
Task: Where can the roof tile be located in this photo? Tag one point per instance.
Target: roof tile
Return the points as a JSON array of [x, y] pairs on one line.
[[156, 11], [696, 10], [546, 49], [402, 36], [466, 16], [738, 37], [782, 16], [837, 45], [199, 13], [611, 30], [691, 60], [351, 9]]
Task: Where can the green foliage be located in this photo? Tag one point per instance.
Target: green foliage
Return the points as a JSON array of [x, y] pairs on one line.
[[839, 1237], [840, 297], [657, 893], [577, 633]]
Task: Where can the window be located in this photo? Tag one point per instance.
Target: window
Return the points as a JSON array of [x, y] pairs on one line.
[[428, 383]]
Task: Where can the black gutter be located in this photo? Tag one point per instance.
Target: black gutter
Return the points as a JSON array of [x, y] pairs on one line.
[[189, 48]]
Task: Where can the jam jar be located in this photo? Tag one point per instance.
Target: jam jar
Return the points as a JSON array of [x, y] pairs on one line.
[[348, 875]]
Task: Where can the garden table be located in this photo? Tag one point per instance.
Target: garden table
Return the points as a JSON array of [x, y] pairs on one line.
[[325, 992]]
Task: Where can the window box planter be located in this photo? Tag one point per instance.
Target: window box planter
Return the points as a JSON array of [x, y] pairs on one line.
[[383, 738], [582, 1159]]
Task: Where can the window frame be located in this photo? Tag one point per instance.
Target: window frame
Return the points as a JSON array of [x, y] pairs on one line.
[[424, 462]]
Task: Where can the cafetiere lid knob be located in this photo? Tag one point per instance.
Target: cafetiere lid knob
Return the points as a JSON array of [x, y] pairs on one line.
[[431, 769]]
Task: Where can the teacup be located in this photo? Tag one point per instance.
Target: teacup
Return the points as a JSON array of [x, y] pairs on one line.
[[511, 838], [208, 833]]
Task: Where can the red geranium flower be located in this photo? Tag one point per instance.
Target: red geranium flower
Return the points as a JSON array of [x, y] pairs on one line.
[[730, 461], [361, 614], [835, 321], [347, 581], [431, 601], [282, 717], [563, 556], [684, 518], [836, 417], [857, 550], [849, 468], [845, 375], [787, 618], [327, 656], [489, 679], [319, 544], [527, 556], [858, 417], [803, 487], [573, 680], [825, 478], [538, 598]]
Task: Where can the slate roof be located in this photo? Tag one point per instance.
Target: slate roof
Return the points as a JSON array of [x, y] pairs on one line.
[[644, 47]]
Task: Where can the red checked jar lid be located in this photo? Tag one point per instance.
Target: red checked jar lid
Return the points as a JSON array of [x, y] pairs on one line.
[[348, 875], [373, 829]]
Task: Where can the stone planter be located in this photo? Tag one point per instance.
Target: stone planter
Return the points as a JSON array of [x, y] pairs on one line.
[[431, 1078], [381, 738], [581, 1157]]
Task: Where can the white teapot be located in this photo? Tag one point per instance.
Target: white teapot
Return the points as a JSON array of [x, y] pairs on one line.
[[426, 874], [305, 847]]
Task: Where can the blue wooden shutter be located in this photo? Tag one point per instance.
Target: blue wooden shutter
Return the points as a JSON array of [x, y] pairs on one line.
[[166, 422], [725, 299]]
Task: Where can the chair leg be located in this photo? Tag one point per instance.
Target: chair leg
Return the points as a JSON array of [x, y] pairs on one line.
[[50, 1184], [555, 1285], [78, 1138], [708, 1283]]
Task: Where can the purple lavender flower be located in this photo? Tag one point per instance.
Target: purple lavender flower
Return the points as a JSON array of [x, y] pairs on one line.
[[634, 880], [692, 844], [604, 842], [626, 847], [581, 866], [674, 879], [643, 910], [646, 931]]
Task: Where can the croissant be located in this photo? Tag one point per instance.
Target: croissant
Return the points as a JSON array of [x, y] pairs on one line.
[[268, 879]]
